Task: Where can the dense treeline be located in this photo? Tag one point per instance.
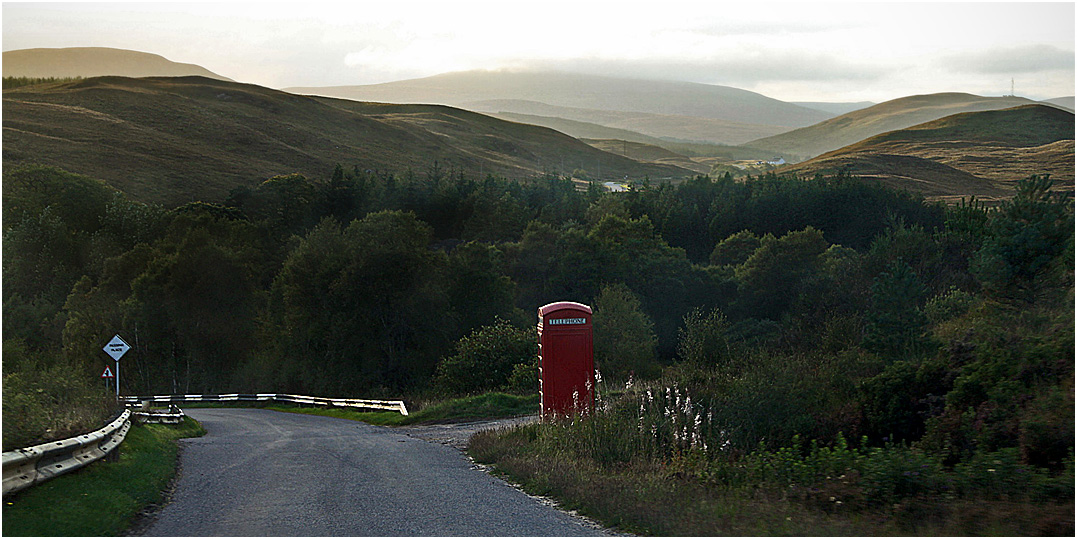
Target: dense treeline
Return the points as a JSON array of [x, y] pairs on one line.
[[792, 306], [361, 282], [16, 82]]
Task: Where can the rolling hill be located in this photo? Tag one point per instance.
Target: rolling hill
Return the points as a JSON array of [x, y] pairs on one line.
[[649, 153], [96, 62], [834, 108], [677, 110], [672, 127], [1061, 102], [974, 153], [858, 125], [174, 140]]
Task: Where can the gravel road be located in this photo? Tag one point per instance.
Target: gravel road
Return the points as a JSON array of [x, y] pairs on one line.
[[260, 472]]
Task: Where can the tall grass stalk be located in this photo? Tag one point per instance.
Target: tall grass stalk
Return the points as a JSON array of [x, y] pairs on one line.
[[664, 459]]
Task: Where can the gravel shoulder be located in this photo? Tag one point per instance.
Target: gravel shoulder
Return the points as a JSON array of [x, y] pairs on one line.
[[457, 434]]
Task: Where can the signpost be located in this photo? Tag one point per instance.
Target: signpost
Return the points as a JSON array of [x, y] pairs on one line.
[[116, 348], [107, 375]]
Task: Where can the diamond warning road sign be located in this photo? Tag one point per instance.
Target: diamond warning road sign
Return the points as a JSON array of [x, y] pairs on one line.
[[107, 373], [116, 348]]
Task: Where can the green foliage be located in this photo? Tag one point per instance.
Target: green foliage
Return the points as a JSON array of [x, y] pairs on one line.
[[16, 82], [948, 306], [45, 402], [897, 401], [524, 379], [1019, 260], [1012, 387], [495, 216], [703, 339], [79, 201], [486, 359], [735, 250], [478, 290], [776, 273], [51, 221], [780, 306], [896, 325], [351, 309], [624, 340]]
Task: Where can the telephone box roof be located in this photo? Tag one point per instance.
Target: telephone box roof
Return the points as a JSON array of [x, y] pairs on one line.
[[563, 305]]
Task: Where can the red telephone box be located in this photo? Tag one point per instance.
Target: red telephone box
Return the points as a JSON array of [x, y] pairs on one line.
[[566, 359]]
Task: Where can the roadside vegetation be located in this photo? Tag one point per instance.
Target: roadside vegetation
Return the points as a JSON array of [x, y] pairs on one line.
[[102, 499], [759, 338], [921, 414]]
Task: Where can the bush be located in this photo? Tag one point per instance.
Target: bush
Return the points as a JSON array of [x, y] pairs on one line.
[[524, 378], [485, 360], [624, 336], [52, 403]]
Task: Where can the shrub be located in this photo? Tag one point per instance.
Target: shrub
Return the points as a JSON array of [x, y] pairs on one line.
[[485, 359], [624, 335], [52, 403]]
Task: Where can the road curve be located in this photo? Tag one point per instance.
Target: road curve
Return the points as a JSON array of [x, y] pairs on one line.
[[259, 472]]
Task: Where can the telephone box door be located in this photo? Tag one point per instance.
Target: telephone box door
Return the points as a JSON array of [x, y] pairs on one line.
[[566, 359]]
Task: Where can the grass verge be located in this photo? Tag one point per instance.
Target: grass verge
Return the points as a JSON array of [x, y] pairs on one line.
[[104, 497], [485, 406], [655, 497]]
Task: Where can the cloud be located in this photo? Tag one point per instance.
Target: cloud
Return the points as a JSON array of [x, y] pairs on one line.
[[746, 67], [1023, 59]]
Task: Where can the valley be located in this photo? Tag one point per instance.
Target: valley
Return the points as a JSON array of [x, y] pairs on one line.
[[807, 317], [170, 139]]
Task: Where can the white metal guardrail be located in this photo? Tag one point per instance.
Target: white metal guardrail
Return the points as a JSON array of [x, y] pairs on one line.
[[397, 406], [173, 416], [31, 465], [25, 467]]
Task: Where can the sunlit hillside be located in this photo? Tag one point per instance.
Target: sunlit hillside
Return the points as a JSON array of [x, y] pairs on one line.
[[95, 62], [973, 153], [895, 114], [172, 140]]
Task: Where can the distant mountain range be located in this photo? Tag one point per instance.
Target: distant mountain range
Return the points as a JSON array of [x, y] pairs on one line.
[[668, 127], [172, 140], [680, 111], [973, 153], [96, 62], [584, 91], [175, 140]]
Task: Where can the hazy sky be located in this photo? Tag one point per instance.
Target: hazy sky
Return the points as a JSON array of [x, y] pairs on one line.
[[800, 51]]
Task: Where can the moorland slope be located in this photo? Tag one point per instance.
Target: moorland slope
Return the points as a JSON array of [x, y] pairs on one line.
[[861, 124], [88, 62], [973, 153], [174, 140]]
